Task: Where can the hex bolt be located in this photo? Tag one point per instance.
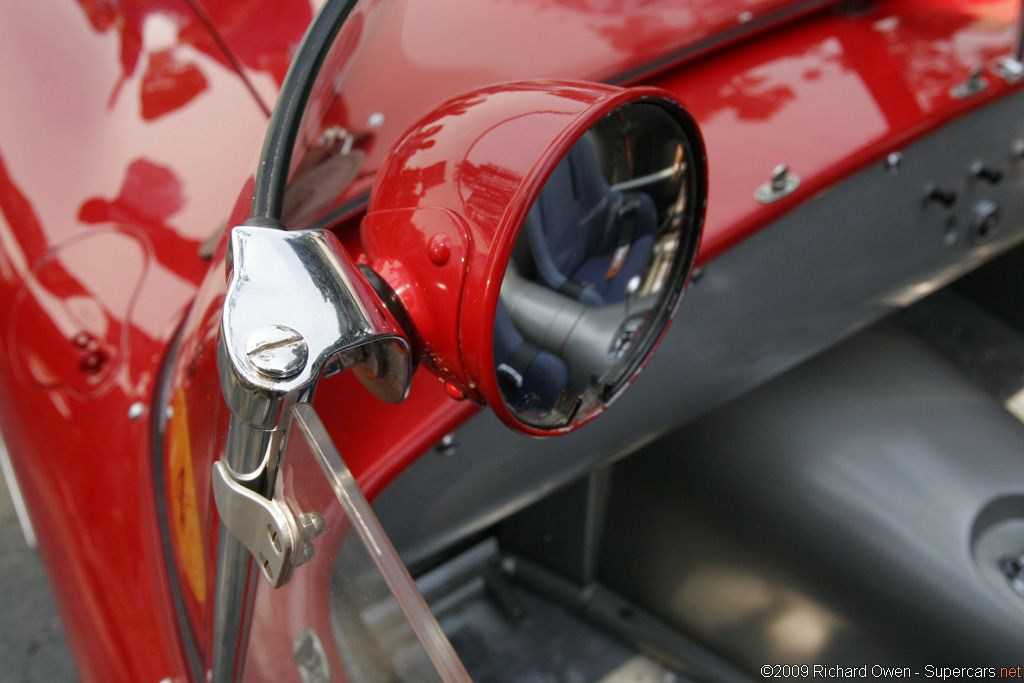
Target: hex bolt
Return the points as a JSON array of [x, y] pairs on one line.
[[277, 351], [311, 525], [304, 553]]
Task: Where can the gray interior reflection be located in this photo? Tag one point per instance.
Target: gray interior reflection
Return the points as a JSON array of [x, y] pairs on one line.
[[590, 268]]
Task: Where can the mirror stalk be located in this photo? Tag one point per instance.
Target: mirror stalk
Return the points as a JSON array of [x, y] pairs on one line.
[[297, 307]]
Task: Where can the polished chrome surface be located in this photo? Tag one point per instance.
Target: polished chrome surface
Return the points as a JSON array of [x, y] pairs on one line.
[[266, 528], [598, 268], [303, 281], [277, 351], [296, 307], [782, 184]]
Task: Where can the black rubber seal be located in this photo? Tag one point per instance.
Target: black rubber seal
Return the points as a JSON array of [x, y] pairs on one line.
[[275, 160]]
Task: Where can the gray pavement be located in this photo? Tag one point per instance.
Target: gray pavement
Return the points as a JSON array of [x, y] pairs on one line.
[[32, 645]]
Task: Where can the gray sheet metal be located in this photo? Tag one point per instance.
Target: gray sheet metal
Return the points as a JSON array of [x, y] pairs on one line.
[[829, 516]]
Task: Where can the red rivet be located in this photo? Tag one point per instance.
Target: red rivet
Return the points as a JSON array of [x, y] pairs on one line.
[[454, 391], [440, 249]]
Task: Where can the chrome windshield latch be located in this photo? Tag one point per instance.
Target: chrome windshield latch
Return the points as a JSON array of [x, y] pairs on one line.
[[297, 308], [278, 539]]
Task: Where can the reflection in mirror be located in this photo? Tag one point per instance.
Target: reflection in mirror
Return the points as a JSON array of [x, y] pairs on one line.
[[598, 267]]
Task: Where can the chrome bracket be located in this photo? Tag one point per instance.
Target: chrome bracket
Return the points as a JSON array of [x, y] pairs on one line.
[[298, 305], [297, 308], [278, 539]]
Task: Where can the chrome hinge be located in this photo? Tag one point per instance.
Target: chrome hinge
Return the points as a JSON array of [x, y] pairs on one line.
[[278, 539]]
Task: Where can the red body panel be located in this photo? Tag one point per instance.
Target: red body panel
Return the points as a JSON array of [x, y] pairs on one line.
[[124, 137], [120, 138]]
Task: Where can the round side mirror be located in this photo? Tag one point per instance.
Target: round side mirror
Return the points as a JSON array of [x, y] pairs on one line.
[[540, 235]]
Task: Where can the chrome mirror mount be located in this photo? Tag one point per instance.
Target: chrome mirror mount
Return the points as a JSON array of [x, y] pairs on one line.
[[297, 305], [297, 308]]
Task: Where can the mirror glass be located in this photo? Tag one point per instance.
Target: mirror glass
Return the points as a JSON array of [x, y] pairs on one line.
[[597, 268]]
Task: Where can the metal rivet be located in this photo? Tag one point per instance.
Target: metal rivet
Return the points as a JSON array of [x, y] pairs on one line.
[[277, 351], [448, 445], [1017, 149], [376, 120], [893, 163], [136, 410]]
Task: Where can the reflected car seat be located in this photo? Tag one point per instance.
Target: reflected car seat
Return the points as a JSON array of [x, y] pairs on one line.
[[530, 379], [588, 240]]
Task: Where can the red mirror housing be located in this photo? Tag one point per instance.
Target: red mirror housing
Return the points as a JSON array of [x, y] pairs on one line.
[[451, 198]]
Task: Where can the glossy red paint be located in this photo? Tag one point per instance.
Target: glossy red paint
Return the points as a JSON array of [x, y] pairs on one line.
[[828, 94], [400, 248], [754, 107], [468, 173], [107, 189], [430, 55]]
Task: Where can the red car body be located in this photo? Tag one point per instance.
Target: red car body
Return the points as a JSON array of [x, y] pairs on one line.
[[128, 135]]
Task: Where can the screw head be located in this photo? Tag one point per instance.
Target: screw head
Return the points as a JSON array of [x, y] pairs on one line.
[[894, 163], [311, 525], [277, 351]]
